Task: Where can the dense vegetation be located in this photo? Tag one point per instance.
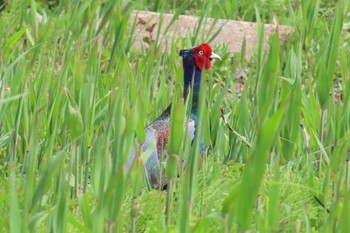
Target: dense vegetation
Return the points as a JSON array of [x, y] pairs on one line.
[[75, 96]]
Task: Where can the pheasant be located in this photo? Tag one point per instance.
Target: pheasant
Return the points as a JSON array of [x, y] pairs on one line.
[[194, 61]]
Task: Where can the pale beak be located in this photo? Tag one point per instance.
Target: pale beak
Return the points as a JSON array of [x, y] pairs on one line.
[[215, 56]]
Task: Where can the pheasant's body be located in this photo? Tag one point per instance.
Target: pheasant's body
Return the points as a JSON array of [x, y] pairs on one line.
[[157, 133]]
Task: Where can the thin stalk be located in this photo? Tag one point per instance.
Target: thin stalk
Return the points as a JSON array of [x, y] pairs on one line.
[[133, 215], [76, 168], [321, 139], [14, 149], [161, 167], [171, 174], [86, 175], [204, 171], [240, 137], [347, 175], [169, 201], [133, 225], [226, 224]]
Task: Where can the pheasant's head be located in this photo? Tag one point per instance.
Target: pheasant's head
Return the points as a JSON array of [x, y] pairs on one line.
[[194, 61], [202, 55]]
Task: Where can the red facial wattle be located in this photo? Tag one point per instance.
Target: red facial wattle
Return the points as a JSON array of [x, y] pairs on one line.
[[201, 56]]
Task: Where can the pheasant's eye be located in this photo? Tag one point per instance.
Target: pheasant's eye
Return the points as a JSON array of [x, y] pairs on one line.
[[200, 53]]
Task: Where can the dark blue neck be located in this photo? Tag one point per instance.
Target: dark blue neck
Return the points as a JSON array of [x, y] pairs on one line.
[[192, 75], [192, 78]]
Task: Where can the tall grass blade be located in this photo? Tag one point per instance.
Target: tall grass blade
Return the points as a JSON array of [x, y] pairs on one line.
[[256, 167], [326, 68], [15, 217], [267, 82]]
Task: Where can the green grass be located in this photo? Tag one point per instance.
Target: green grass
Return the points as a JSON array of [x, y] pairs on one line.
[[75, 96]]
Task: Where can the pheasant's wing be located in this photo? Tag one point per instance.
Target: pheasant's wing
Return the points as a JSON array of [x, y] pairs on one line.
[[156, 146]]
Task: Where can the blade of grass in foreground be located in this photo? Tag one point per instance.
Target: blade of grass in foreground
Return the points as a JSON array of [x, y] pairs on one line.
[[255, 168], [189, 178], [269, 127], [260, 51], [15, 217], [274, 200], [175, 139], [324, 82], [267, 82], [310, 16], [325, 74], [290, 132]]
